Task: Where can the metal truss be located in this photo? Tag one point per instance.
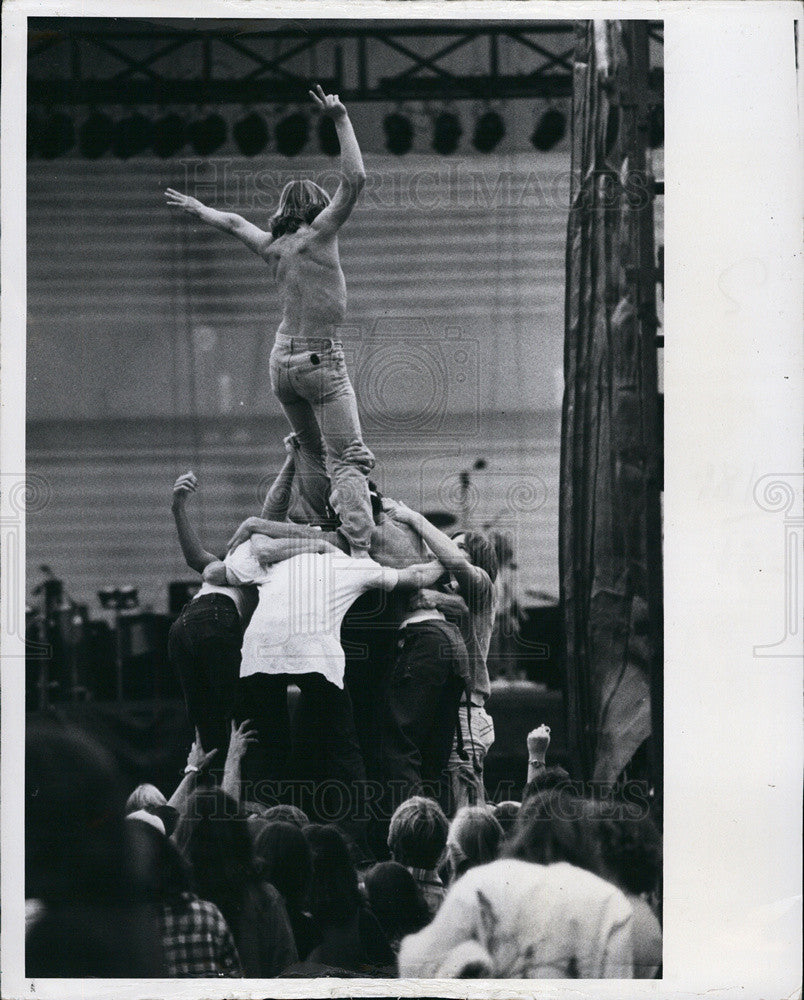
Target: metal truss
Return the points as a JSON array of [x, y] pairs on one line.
[[144, 62]]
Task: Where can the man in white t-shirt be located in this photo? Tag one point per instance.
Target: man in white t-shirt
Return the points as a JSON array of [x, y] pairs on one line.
[[294, 635]]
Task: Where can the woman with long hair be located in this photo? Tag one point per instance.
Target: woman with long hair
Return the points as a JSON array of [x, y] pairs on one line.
[[308, 371], [214, 837]]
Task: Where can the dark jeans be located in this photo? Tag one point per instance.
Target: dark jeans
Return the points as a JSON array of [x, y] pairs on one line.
[[204, 648], [324, 743], [426, 688]]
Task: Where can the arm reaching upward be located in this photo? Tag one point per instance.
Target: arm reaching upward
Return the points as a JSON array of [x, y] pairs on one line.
[[353, 173], [195, 555], [228, 222]]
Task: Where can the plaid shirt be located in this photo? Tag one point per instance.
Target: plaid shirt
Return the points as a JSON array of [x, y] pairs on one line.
[[432, 888], [196, 940]]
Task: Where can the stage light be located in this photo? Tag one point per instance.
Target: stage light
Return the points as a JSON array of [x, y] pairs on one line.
[[170, 134], [292, 134], [550, 130], [328, 136], [95, 135], [131, 135], [489, 131], [57, 136], [398, 133], [250, 134], [447, 133], [207, 135]]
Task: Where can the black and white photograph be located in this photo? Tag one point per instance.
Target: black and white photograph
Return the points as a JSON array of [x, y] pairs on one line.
[[336, 576]]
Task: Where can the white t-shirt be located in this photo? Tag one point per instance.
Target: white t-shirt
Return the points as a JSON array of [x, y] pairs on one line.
[[302, 602]]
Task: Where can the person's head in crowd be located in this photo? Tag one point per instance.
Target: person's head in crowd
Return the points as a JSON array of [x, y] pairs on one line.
[[285, 860], [284, 813], [334, 898], [417, 835], [213, 836], [479, 551], [546, 779], [148, 798], [630, 852], [75, 832], [145, 797], [474, 839], [506, 813], [79, 863], [554, 826], [395, 900]]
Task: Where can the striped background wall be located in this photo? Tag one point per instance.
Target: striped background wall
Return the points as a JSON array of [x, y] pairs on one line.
[[149, 336]]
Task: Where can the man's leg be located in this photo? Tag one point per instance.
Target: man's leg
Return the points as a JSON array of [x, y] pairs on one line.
[[465, 767], [416, 704], [324, 722], [262, 698]]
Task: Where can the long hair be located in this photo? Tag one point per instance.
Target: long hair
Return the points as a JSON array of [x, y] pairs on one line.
[[214, 838], [299, 203], [334, 894], [285, 860]]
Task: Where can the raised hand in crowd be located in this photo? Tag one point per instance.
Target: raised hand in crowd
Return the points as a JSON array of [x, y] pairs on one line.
[[240, 740], [538, 742]]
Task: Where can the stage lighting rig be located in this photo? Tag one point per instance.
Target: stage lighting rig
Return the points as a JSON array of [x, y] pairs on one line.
[[328, 137], [447, 132], [57, 136], [398, 133], [207, 134], [95, 135], [250, 134], [489, 131], [131, 135], [170, 134], [550, 130], [292, 134]]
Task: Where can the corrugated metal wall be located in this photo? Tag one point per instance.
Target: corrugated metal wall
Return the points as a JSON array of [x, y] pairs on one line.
[[149, 339]]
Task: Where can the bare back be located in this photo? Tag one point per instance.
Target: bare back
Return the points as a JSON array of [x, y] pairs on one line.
[[306, 267]]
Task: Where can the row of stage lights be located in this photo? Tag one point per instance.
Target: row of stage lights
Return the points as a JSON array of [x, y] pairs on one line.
[[55, 134]]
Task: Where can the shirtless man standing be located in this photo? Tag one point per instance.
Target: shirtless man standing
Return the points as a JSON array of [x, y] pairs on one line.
[[308, 371]]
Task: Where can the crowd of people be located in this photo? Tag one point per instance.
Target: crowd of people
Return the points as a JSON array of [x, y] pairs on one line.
[[332, 818], [203, 884]]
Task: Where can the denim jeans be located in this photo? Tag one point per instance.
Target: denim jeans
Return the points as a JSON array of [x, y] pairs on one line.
[[465, 771], [425, 690], [309, 378], [204, 648]]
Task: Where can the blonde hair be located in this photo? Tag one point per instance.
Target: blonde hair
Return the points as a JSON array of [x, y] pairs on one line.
[[300, 202]]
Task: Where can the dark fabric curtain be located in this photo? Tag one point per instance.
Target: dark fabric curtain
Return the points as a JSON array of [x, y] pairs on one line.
[[609, 546]]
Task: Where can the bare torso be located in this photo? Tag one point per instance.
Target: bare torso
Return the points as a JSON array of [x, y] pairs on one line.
[[306, 267]]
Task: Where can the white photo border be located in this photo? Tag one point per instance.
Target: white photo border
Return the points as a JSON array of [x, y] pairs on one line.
[[733, 428]]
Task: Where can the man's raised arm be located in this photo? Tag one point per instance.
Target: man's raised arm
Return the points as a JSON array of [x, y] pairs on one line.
[[228, 222], [195, 555]]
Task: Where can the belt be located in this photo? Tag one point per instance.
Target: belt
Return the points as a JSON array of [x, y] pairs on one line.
[[308, 343]]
